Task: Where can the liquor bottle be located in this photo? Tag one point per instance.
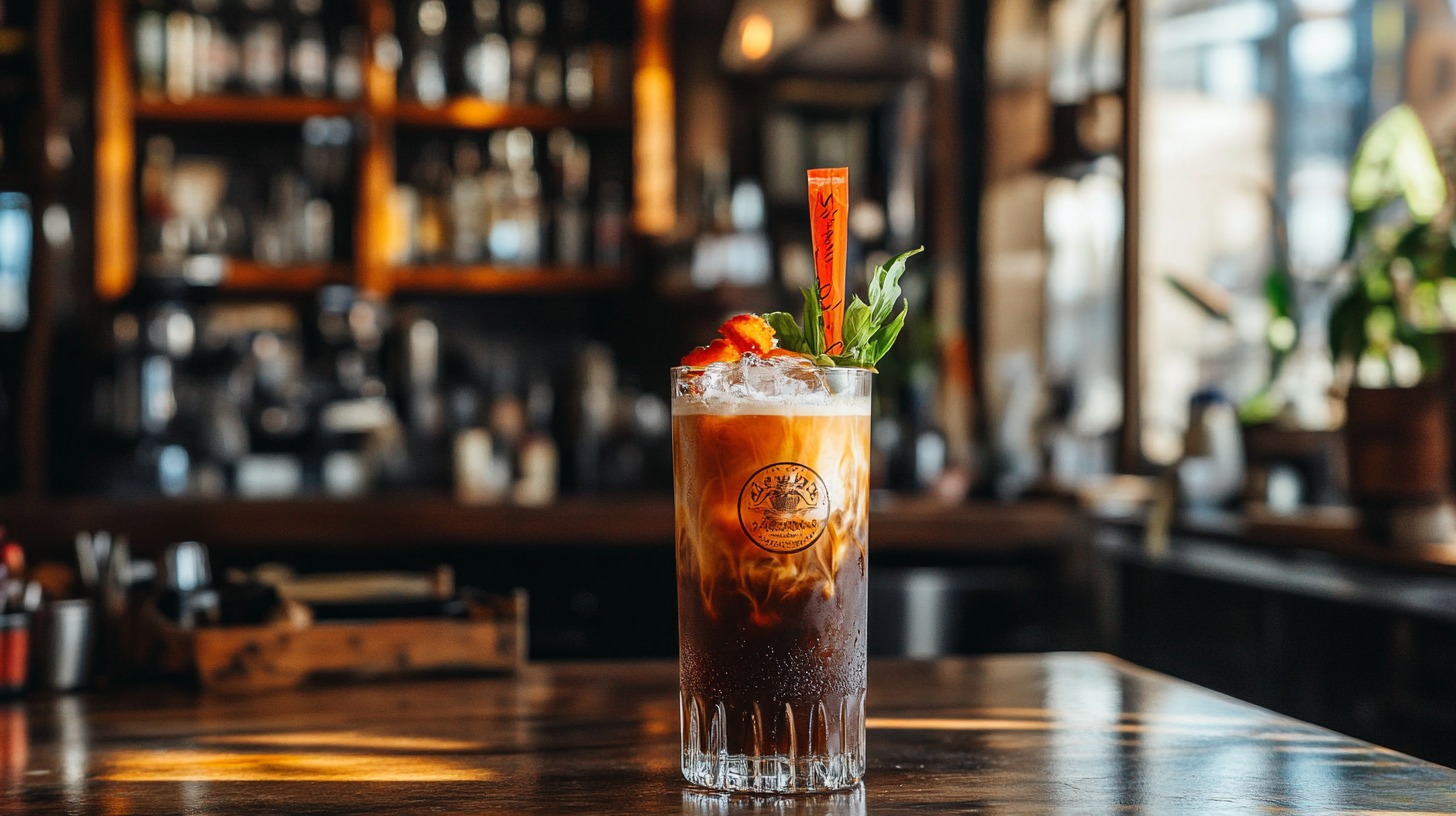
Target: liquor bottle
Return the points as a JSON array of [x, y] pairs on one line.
[[156, 204], [216, 46], [181, 68], [503, 237], [427, 64], [526, 192], [467, 205], [528, 23], [487, 58], [150, 44], [348, 69], [578, 80], [432, 180], [571, 168], [547, 78], [262, 49], [308, 54], [199, 14]]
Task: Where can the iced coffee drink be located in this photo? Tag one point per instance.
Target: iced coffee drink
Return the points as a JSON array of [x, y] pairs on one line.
[[771, 466], [770, 455]]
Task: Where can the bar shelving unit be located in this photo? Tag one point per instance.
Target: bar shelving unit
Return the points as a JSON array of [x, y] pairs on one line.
[[378, 113]]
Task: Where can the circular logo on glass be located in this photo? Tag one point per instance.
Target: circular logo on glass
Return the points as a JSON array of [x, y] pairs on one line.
[[784, 507]]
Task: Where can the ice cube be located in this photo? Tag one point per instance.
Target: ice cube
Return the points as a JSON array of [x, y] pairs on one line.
[[780, 378], [756, 379]]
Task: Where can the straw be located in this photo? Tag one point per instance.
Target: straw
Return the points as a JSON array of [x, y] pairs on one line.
[[829, 222]]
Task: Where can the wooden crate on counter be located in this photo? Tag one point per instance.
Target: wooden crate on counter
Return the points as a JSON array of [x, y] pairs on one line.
[[250, 659]]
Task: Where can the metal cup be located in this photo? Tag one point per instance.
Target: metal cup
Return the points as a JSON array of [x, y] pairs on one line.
[[65, 645]]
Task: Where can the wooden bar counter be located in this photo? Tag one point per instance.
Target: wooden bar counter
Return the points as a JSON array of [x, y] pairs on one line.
[[1024, 734]]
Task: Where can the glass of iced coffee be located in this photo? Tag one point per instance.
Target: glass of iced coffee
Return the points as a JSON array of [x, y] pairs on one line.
[[771, 479], [771, 482]]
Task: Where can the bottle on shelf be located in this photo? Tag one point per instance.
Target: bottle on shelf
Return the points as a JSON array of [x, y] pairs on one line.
[[149, 43], [526, 194], [308, 53], [433, 183], [487, 56], [214, 51], [347, 73], [467, 205], [528, 21], [547, 75], [578, 82], [427, 81], [571, 171], [180, 70], [262, 51], [538, 458], [220, 71], [502, 239]]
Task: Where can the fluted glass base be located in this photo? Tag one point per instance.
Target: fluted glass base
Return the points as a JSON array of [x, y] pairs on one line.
[[773, 747]]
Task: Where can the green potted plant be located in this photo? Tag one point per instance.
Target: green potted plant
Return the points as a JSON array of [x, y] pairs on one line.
[[1384, 332]]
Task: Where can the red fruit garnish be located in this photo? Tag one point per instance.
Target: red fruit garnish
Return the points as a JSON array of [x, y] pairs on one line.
[[718, 351], [749, 332]]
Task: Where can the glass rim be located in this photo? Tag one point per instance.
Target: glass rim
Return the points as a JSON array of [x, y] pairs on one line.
[[857, 370]]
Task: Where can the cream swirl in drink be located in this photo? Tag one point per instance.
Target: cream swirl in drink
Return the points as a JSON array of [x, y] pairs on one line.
[[771, 466]]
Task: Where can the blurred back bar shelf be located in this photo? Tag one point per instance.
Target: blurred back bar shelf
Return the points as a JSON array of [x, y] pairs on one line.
[[460, 278], [369, 68], [237, 108], [469, 113], [407, 522], [289, 198]]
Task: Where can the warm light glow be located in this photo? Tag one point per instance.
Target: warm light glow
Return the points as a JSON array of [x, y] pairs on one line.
[[222, 766], [901, 724], [654, 149], [1178, 725], [345, 739], [755, 36]]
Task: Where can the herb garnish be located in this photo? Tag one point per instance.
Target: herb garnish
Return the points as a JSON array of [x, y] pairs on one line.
[[869, 331]]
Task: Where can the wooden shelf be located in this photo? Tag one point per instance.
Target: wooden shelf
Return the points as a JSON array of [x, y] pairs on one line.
[[253, 276], [229, 109], [399, 521], [474, 114], [380, 115], [453, 278]]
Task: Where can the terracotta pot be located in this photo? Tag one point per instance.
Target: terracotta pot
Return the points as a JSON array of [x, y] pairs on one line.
[[1398, 454], [1397, 444]]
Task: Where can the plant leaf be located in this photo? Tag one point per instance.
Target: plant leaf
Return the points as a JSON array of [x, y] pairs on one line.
[[1395, 159], [879, 345], [813, 323], [857, 325], [884, 287], [787, 330], [867, 334]]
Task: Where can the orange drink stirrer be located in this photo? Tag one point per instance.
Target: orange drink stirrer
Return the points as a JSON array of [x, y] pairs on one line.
[[829, 223]]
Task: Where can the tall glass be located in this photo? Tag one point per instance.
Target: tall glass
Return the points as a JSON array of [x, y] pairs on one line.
[[772, 500]]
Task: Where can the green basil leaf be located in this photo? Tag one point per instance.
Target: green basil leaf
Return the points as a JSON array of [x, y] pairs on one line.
[[857, 326], [885, 286], [813, 323], [884, 338], [787, 330]]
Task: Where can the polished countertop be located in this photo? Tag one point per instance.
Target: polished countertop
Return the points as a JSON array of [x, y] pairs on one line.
[[1016, 734]]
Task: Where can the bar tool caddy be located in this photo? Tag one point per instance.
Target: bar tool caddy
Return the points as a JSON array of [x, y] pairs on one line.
[[269, 629]]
